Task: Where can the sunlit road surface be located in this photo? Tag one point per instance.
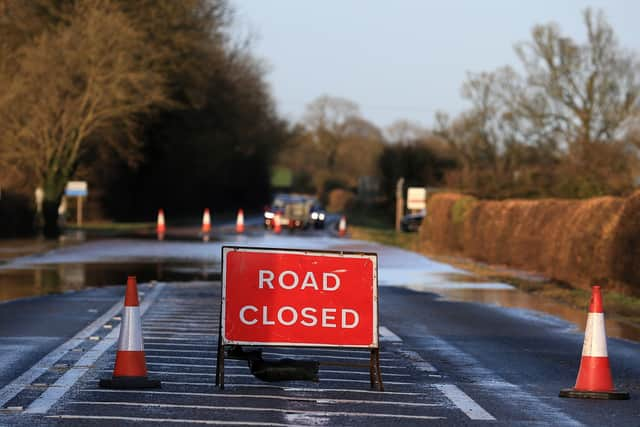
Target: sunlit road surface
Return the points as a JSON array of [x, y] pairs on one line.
[[443, 362]]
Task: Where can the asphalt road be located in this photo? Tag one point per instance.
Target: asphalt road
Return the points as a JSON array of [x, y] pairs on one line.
[[443, 362]]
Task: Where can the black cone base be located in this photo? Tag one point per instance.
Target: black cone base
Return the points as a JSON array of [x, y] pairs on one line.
[[607, 395], [129, 383]]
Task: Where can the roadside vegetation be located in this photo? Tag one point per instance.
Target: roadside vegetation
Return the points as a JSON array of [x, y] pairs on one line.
[[162, 105], [621, 305]]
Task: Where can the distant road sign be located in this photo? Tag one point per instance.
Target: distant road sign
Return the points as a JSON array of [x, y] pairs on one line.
[[299, 298], [417, 198], [77, 189]]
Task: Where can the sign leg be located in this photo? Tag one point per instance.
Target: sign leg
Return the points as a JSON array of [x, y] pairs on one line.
[[220, 364], [378, 371], [372, 369]]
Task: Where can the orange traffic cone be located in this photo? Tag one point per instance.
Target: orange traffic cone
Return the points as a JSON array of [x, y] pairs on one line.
[[594, 377], [161, 227], [130, 369], [277, 228], [206, 224], [240, 221], [342, 226]]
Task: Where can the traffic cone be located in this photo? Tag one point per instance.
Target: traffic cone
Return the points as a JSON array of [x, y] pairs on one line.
[[130, 369], [206, 224], [277, 228], [342, 226], [240, 221], [594, 377], [161, 227]]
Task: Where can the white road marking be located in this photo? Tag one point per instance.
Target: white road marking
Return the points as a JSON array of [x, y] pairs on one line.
[[488, 381], [249, 396], [164, 350], [321, 390], [425, 367], [254, 409], [195, 334], [169, 420], [47, 399], [419, 362], [155, 338], [290, 355], [388, 336], [16, 386], [208, 346], [176, 329], [464, 402], [341, 380], [298, 389]]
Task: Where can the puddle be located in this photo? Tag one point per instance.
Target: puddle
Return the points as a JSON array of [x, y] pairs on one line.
[[48, 279], [514, 298]]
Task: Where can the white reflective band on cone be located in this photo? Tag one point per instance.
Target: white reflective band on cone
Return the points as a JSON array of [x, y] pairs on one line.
[[595, 339], [131, 330]]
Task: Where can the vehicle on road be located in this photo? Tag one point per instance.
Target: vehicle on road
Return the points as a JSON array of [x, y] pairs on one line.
[[297, 211], [317, 216], [411, 222]]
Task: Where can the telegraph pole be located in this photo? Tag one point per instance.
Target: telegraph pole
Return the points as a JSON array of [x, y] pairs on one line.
[[399, 202]]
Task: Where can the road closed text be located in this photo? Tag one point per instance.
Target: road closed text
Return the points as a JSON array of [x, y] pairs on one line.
[[299, 298], [326, 317]]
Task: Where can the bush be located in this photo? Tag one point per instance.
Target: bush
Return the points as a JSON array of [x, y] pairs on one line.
[[16, 215]]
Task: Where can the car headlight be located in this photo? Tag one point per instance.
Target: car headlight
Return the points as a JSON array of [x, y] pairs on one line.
[[321, 217], [268, 215], [314, 215]]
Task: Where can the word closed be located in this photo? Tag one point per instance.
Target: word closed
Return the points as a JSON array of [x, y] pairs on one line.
[[289, 297]]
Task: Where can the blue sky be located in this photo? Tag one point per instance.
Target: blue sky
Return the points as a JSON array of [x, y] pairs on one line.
[[402, 59]]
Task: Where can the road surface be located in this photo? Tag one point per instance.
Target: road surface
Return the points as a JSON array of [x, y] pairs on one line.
[[444, 362]]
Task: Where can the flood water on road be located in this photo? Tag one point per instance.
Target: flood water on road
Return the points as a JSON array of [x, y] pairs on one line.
[[109, 262]]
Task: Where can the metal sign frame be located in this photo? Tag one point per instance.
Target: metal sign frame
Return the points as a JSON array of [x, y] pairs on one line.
[[374, 346]]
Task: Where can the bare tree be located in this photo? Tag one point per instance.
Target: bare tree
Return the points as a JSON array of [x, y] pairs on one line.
[[586, 92], [405, 132], [91, 73], [327, 118]]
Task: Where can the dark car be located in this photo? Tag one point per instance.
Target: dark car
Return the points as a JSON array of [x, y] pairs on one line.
[[411, 222], [317, 216]]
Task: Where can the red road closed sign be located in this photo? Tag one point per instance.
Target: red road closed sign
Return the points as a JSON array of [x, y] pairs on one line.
[[299, 298]]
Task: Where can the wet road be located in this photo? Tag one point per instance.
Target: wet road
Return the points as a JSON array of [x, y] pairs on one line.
[[444, 362]]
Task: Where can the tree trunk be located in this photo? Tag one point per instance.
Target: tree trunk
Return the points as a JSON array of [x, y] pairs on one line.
[[50, 214]]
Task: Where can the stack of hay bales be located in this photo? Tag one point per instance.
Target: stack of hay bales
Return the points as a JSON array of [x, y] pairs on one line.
[[574, 241]]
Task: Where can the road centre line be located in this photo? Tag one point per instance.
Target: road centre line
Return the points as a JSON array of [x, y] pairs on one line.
[[464, 402], [253, 409], [169, 420], [12, 389], [326, 401], [50, 396]]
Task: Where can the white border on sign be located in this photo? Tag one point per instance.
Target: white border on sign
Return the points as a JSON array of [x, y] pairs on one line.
[[371, 256]]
